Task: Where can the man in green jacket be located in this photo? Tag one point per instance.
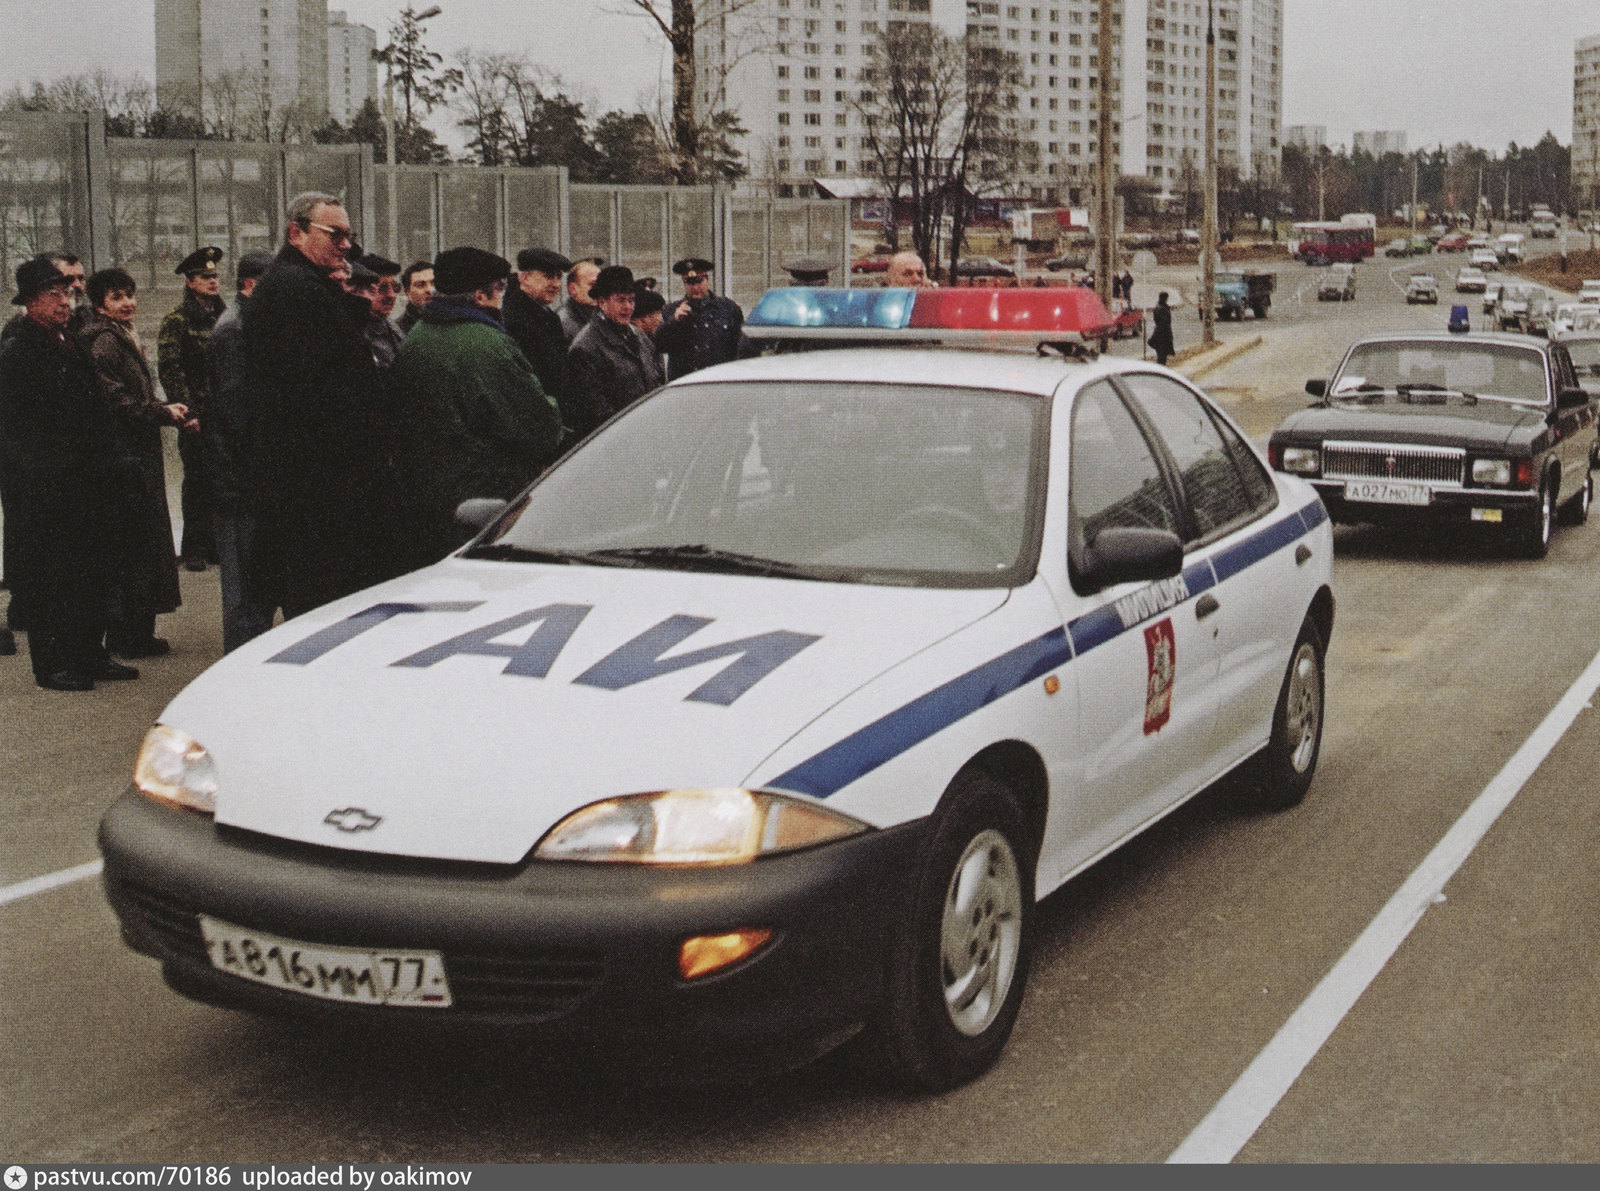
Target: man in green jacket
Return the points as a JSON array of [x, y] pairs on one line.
[[471, 418]]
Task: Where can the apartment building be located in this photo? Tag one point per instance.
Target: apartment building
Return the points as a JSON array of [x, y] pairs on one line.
[[1378, 143], [280, 43], [352, 74], [791, 69], [1586, 124]]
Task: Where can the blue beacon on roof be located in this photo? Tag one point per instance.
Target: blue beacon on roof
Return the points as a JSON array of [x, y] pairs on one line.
[[888, 309]]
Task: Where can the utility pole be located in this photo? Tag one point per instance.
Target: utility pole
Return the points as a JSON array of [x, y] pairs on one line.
[[1208, 230], [1413, 200], [393, 246], [1105, 197]]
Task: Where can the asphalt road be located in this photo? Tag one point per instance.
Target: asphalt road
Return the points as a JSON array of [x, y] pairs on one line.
[[1160, 976]]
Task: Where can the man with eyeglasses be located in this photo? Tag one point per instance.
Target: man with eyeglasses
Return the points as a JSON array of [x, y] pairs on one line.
[[701, 328], [324, 526]]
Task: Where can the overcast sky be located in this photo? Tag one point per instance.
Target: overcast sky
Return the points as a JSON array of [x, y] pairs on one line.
[[1486, 71]]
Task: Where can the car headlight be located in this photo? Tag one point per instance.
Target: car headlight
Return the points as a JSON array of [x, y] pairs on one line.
[[1491, 471], [1305, 461], [693, 827], [175, 769]]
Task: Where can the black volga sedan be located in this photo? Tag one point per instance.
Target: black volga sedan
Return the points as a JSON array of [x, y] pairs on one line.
[[1461, 428]]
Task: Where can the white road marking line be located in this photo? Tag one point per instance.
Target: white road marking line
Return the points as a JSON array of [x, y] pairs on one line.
[[1237, 1116], [15, 893]]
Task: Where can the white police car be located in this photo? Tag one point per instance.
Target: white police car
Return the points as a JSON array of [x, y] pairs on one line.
[[763, 717]]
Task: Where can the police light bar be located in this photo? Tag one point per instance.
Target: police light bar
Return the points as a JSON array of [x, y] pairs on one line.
[[982, 315]]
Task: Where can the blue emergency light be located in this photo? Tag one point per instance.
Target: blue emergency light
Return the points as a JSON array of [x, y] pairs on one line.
[[983, 315]]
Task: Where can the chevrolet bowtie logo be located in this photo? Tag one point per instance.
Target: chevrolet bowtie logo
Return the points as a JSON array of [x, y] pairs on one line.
[[353, 818]]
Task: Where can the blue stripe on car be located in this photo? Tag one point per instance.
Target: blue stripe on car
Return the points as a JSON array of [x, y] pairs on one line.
[[835, 767]]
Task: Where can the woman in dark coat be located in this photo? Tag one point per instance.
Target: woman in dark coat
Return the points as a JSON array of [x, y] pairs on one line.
[[146, 575], [1161, 337]]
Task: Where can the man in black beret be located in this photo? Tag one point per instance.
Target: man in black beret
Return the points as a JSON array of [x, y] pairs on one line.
[[532, 321], [701, 328], [59, 455], [610, 363], [181, 362], [471, 418]]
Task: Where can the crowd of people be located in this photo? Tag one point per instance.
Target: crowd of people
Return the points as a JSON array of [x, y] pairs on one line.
[[325, 442]]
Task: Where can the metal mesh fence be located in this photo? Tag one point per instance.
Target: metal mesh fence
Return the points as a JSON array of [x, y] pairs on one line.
[[45, 187]]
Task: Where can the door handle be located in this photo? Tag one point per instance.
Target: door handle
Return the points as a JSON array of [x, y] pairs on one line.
[[1205, 606]]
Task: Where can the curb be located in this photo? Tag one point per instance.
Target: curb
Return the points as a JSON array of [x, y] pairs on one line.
[[1203, 363]]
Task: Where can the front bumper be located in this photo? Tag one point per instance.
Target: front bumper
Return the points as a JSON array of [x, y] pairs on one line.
[[1447, 505], [580, 956]]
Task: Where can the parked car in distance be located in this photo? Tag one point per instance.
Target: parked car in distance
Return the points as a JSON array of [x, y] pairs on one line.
[[1397, 247], [1068, 262], [1513, 307], [1485, 258], [1453, 242], [1421, 245], [1491, 296], [1338, 284], [983, 266], [1589, 291], [870, 264], [1422, 288], [1457, 429], [1568, 315], [1509, 247], [1470, 280]]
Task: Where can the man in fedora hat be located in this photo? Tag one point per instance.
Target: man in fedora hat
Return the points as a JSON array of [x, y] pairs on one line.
[[610, 363], [59, 455], [701, 328], [531, 320], [471, 418], [181, 363]]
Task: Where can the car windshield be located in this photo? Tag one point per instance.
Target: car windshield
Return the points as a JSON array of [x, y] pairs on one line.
[[861, 483], [1500, 371], [1585, 355]]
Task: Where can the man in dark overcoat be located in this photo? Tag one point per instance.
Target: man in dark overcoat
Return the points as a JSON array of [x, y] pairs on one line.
[[326, 503], [610, 362], [181, 364], [147, 567], [701, 328], [57, 446], [532, 322]]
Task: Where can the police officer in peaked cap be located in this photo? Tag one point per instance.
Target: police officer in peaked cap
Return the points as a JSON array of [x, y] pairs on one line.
[[200, 262], [809, 271], [701, 328]]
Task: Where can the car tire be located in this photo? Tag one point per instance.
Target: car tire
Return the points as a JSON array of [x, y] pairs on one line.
[[958, 967], [1284, 769], [1576, 510], [1533, 534]]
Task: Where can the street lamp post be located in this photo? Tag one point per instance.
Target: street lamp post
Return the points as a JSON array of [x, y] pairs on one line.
[[1105, 198]]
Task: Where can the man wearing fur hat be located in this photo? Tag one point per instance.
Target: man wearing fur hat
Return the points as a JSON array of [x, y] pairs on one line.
[[610, 363], [471, 418]]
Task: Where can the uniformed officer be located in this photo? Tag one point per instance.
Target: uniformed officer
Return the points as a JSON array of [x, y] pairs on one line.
[[701, 328], [181, 362], [809, 271]]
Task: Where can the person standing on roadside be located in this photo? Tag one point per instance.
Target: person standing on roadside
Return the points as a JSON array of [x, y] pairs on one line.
[[417, 282], [610, 362], [701, 328], [58, 451], [579, 309], [325, 504], [471, 418], [147, 572], [1161, 335], [231, 463], [181, 360]]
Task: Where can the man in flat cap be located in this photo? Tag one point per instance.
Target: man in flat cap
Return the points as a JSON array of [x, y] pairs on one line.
[[381, 288], [531, 320], [231, 462], [62, 495], [471, 418], [701, 328], [181, 363], [610, 363], [324, 511]]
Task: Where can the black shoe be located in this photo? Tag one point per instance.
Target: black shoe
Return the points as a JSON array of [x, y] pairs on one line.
[[114, 671], [8, 643], [144, 647], [66, 680], [194, 564]]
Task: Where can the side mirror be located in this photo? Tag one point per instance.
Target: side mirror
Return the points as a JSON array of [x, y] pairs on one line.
[[477, 513], [1572, 398], [1317, 387], [1129, 555]]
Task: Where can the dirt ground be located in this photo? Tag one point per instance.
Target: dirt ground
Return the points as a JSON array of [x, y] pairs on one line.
[[1546, 270]]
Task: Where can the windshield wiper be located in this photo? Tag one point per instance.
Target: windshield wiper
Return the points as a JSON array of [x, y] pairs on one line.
[[1408, 392], [708, 558], [1366, 393], [506, 552]]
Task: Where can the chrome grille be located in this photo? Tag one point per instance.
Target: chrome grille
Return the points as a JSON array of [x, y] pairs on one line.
[[1388, 461]]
